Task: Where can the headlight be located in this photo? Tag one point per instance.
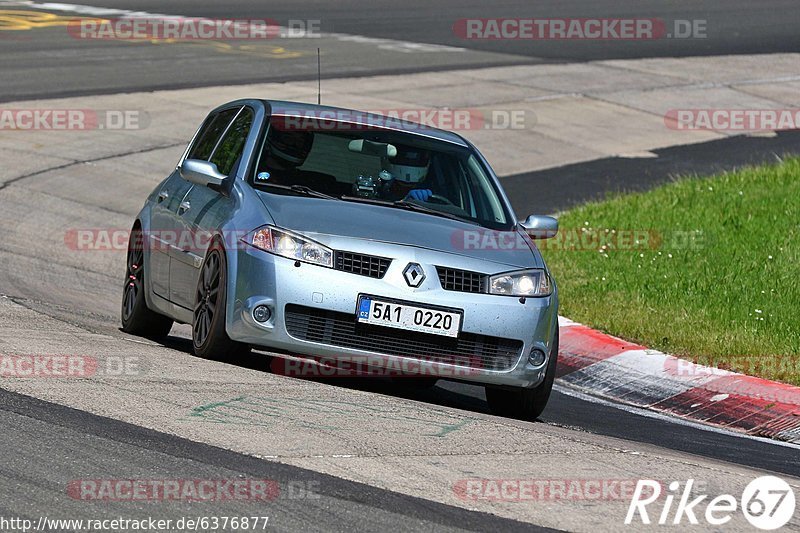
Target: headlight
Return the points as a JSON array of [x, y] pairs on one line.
[[281, 242], [523, 283]]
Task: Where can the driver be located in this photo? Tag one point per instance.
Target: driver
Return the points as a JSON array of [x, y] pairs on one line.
[[286, 150], [409, 172]]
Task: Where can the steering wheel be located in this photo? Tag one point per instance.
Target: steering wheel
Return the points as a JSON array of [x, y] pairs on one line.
[[439, 199]]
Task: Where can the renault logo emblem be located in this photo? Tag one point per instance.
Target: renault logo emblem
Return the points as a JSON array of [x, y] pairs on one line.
[[414, 275]]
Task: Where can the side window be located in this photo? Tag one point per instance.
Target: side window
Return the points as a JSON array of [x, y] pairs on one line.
[[232, 144], [210, 134]]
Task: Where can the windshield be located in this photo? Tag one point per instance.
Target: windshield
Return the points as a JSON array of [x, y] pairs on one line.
[[382, 167]]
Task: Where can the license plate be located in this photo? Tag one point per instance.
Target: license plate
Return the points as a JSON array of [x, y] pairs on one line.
[[408, 317]]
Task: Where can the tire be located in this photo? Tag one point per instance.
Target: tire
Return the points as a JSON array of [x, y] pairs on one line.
[[525, 404], [136, 317], [209, 338]]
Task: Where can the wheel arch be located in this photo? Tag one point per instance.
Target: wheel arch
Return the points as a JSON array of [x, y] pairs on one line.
[[230, 255], [140, 224]]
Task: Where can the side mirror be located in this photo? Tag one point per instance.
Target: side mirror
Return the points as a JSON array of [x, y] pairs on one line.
[[540, 227], [202, 173]]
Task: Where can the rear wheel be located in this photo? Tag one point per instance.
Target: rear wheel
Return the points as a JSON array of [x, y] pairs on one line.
[[526, 404], [137, 318], [209, 338]]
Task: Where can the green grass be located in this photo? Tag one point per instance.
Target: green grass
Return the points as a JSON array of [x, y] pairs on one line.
[[718, 281]]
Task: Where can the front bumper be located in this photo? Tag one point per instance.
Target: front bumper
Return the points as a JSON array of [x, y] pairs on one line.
[[260, 278]]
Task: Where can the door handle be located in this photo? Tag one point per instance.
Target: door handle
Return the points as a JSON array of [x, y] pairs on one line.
[[163, 195], [185, 206]]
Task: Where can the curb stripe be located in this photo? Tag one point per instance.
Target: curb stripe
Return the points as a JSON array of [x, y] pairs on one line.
[[580, 346], [615, 369]]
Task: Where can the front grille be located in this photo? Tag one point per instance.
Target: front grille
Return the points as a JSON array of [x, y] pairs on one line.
[[453, 279], [361, 264], [341, 330]]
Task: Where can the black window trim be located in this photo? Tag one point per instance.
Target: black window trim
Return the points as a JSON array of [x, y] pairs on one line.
[[209, 120], [225, 131]]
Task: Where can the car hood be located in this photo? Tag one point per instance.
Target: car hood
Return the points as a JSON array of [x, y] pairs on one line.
[[317, 216]]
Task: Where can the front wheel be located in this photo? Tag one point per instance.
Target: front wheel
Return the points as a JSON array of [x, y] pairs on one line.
[[525, 404], [137, 318], [209, 338]]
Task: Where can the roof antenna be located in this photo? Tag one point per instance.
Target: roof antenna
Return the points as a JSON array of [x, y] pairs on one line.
[[319, 80]]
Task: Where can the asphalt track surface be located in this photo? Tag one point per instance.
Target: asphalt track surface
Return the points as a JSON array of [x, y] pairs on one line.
[[31, 480], [376, 37], [565, 409], [46, 62], [54, 443], [555, 189], [734, 26]]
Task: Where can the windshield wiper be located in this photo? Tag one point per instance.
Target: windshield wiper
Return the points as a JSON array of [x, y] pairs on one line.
[[373, 201], [413, 206], [410, 206], [300, 189]]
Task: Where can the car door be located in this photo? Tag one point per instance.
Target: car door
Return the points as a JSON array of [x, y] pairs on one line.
[[162, 231], [203, 210], [165, 231]]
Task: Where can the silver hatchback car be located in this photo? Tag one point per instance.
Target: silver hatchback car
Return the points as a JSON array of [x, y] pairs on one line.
[[332, 235]]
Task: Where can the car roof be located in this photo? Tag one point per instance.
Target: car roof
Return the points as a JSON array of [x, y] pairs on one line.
[[311, 111]]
